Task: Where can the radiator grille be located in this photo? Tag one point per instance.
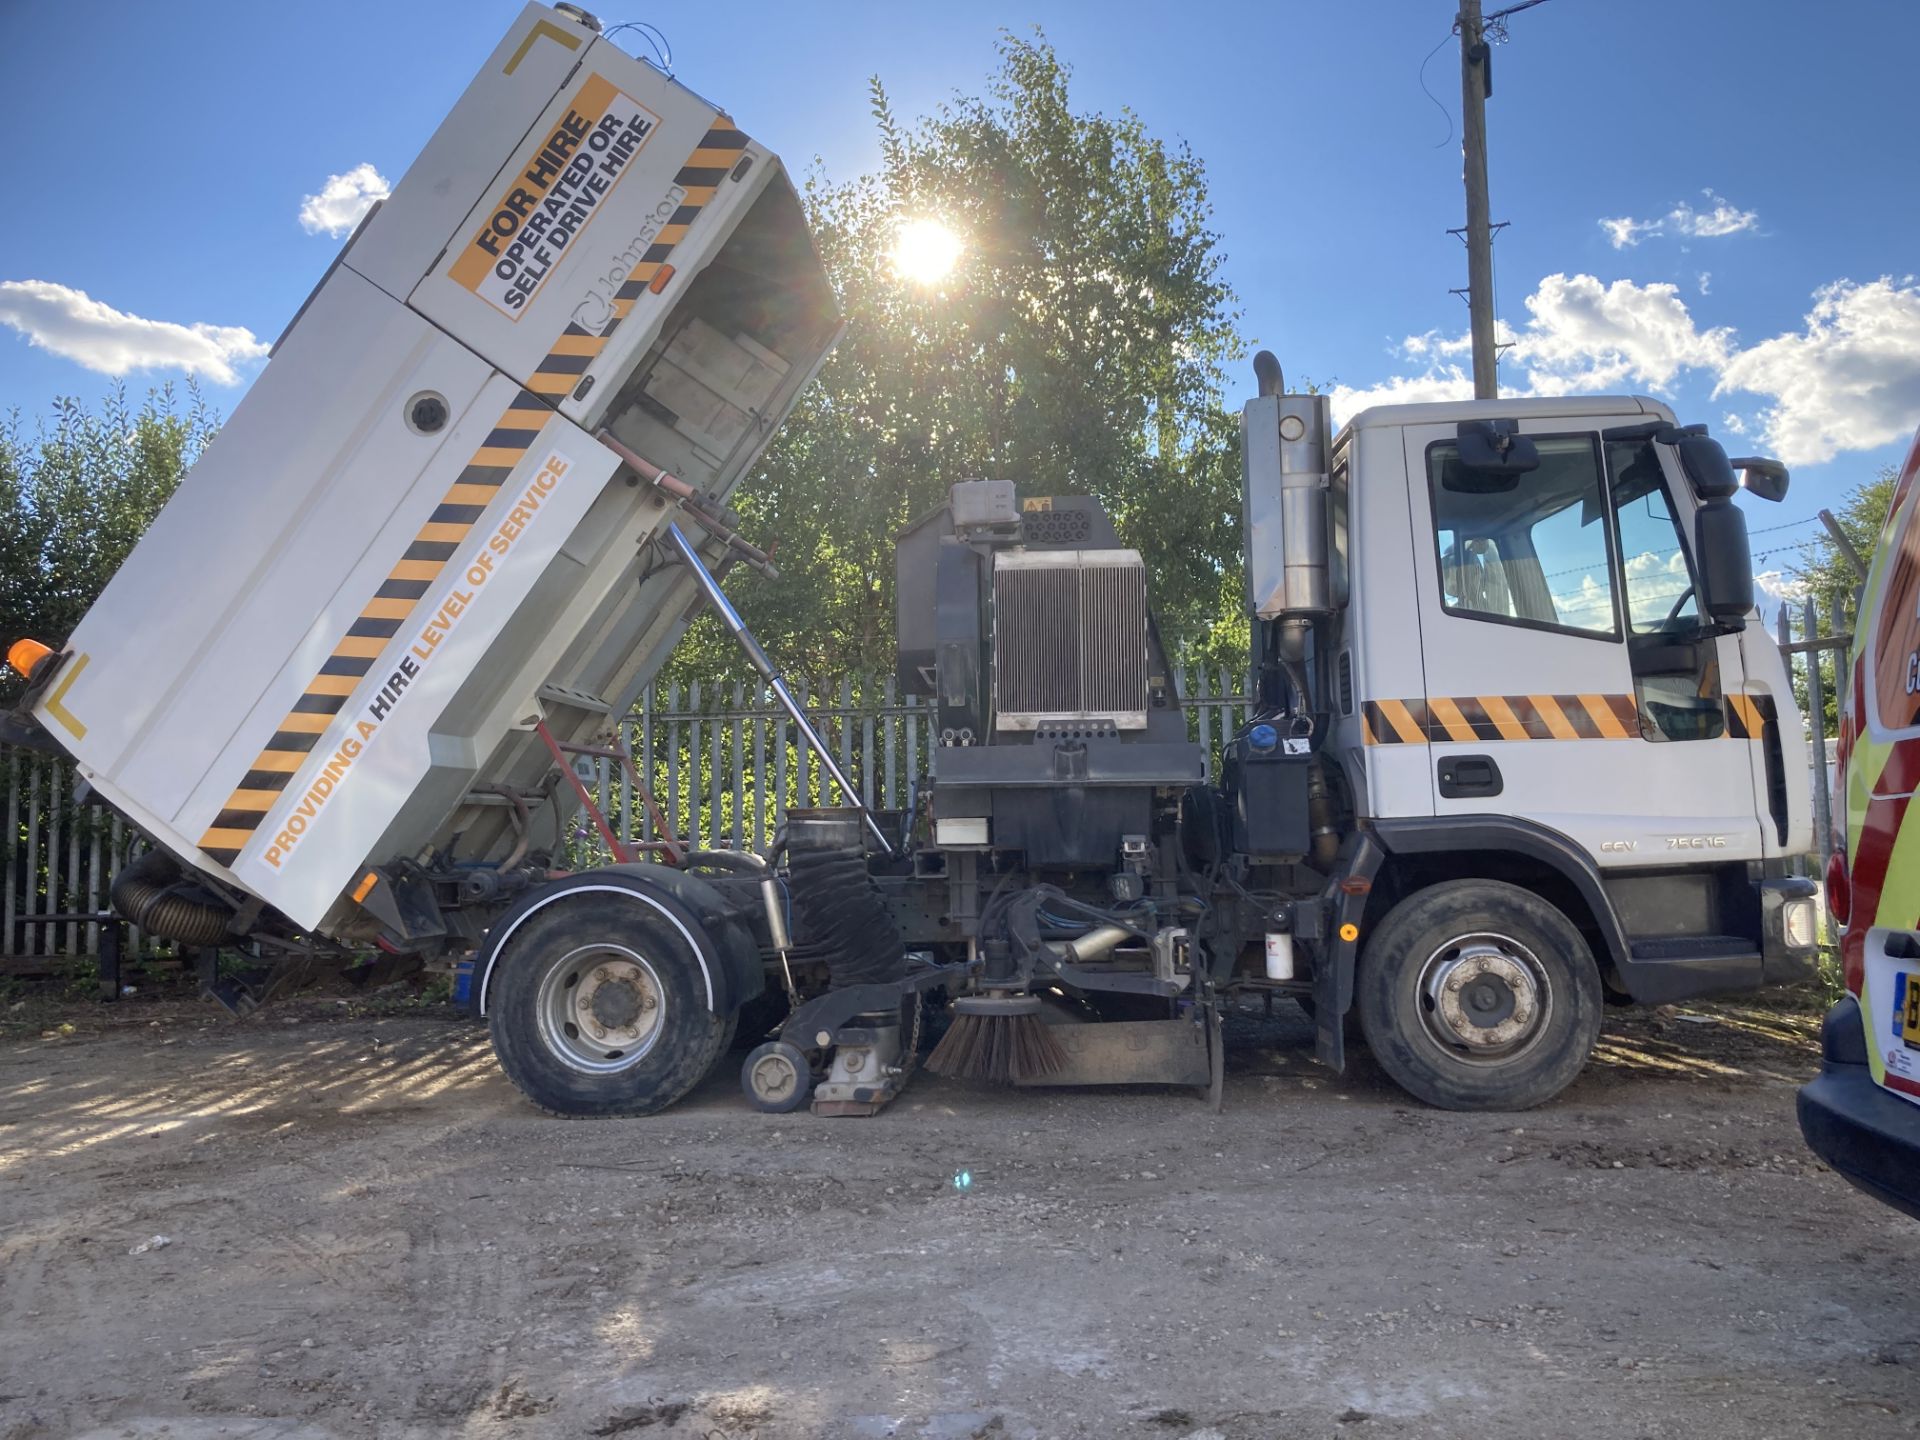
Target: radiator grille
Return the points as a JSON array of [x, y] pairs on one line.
[[1070, 638]]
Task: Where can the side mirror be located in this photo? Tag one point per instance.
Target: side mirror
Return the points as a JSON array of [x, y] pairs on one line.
[[1707, 468], [1724, 562], [1494, 450], [1765, 478]]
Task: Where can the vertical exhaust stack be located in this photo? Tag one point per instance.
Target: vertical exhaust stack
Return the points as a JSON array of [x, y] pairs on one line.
[[1284, 444]]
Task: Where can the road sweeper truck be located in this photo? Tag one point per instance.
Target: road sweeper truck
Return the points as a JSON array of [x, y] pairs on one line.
[[1516, 748]]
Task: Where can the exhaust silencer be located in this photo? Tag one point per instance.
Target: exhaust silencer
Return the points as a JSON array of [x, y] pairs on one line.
[[1284, 440]]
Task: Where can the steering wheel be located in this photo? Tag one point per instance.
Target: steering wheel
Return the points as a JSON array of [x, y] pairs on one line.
[[1678, 606]]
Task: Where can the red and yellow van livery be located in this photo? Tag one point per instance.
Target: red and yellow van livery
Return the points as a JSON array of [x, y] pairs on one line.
[[1862, 1115]]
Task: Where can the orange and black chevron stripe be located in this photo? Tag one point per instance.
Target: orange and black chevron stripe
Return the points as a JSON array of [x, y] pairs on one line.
[[380, 620], [577, 348], [1469, 718], [1749, 715], [326, 695], [1500, 717]]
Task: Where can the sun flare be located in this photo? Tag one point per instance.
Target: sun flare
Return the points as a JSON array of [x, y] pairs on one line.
[[925, 251]]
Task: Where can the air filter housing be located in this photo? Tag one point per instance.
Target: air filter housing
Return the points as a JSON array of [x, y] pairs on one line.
[[1069, 639]]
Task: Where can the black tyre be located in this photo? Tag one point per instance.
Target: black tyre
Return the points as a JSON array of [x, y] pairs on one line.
[[1478, 995], [598, 1006], [776, 1078]]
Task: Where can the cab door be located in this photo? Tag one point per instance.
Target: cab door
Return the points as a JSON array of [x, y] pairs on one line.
[[1567, 679]]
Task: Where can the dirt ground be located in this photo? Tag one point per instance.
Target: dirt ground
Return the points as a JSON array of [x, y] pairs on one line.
[[368, 1234]]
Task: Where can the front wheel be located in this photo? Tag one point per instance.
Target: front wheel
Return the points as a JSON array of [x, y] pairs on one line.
[[599, 1007], [1479, 995]]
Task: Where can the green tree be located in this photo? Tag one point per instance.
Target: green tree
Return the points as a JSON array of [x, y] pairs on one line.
[[1823, 570], [1826, 575], [1076, 348], [76, 493]]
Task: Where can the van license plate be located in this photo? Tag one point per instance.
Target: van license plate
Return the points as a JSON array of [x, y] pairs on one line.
[[1906, 1007]]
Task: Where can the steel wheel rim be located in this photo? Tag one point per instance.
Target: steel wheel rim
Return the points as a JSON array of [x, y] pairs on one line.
[[1484, 998], [601, 1008]]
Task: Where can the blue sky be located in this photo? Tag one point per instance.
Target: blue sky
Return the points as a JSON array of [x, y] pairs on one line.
[[1756, 157]]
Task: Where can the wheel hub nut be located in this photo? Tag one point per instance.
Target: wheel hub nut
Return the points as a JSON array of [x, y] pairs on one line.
[[1487, 1001]]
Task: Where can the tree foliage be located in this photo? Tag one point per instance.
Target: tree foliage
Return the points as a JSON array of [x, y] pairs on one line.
[[1824, 572], [1076, 348], [76, 493], [1827, 576]]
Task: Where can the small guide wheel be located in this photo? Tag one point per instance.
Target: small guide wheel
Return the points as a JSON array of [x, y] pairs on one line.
[[777, 1078]]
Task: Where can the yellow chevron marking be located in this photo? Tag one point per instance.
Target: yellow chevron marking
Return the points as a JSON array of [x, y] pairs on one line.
[[56, 703], [542, 29]]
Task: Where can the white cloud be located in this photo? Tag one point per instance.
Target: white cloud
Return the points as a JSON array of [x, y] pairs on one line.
[[1775, 588], [1585, 336], [1850, 380], [1721, 217], [1624, 232], [342, 201], [1444, 382], [73, 324], [1581, 337], [1706, 282]]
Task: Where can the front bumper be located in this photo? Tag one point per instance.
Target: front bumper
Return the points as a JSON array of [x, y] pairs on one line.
[[1869, 1135]]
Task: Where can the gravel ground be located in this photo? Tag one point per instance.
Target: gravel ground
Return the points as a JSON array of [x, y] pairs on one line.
[[368, 1234]]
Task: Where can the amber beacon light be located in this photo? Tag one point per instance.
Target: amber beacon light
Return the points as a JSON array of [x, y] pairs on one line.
[[24, 655]]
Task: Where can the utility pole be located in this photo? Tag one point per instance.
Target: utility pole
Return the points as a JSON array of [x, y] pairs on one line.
[[1475, 82]]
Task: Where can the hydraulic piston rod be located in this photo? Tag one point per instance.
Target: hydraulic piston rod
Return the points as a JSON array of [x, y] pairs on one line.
[[757, 657]]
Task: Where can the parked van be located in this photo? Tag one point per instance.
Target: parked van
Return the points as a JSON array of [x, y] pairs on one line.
[[1862, 1115]]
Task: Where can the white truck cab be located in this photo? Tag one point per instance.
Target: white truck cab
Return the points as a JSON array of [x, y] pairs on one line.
[[1544, 668]]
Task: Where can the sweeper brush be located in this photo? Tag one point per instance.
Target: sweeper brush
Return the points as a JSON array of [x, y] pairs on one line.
[[1003, 1040]]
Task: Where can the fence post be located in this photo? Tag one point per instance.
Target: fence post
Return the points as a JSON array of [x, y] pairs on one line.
[[13, 871], [1817, 717], [739, 762], [31, 941]]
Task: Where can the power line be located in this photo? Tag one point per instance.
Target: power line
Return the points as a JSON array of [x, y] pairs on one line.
[[1430, 95]]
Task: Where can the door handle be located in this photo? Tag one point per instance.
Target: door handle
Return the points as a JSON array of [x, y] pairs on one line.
[[1465, 777]]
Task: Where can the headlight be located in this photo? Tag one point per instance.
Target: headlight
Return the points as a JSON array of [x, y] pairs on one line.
[[1797, 918]]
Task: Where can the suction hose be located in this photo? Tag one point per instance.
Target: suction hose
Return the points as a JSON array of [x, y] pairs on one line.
[[151, 893], [839, 913]]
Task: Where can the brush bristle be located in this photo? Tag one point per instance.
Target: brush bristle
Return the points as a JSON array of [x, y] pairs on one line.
[[999, 1049]]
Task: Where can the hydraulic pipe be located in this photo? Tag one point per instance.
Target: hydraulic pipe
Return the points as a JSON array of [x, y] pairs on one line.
[[693, 502], [757, 658]]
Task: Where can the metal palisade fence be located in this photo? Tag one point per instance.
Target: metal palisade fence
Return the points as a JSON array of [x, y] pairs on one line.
[[723, 763]]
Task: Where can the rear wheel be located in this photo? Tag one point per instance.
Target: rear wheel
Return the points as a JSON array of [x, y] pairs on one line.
[[1479, 995], [598, 1006]]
